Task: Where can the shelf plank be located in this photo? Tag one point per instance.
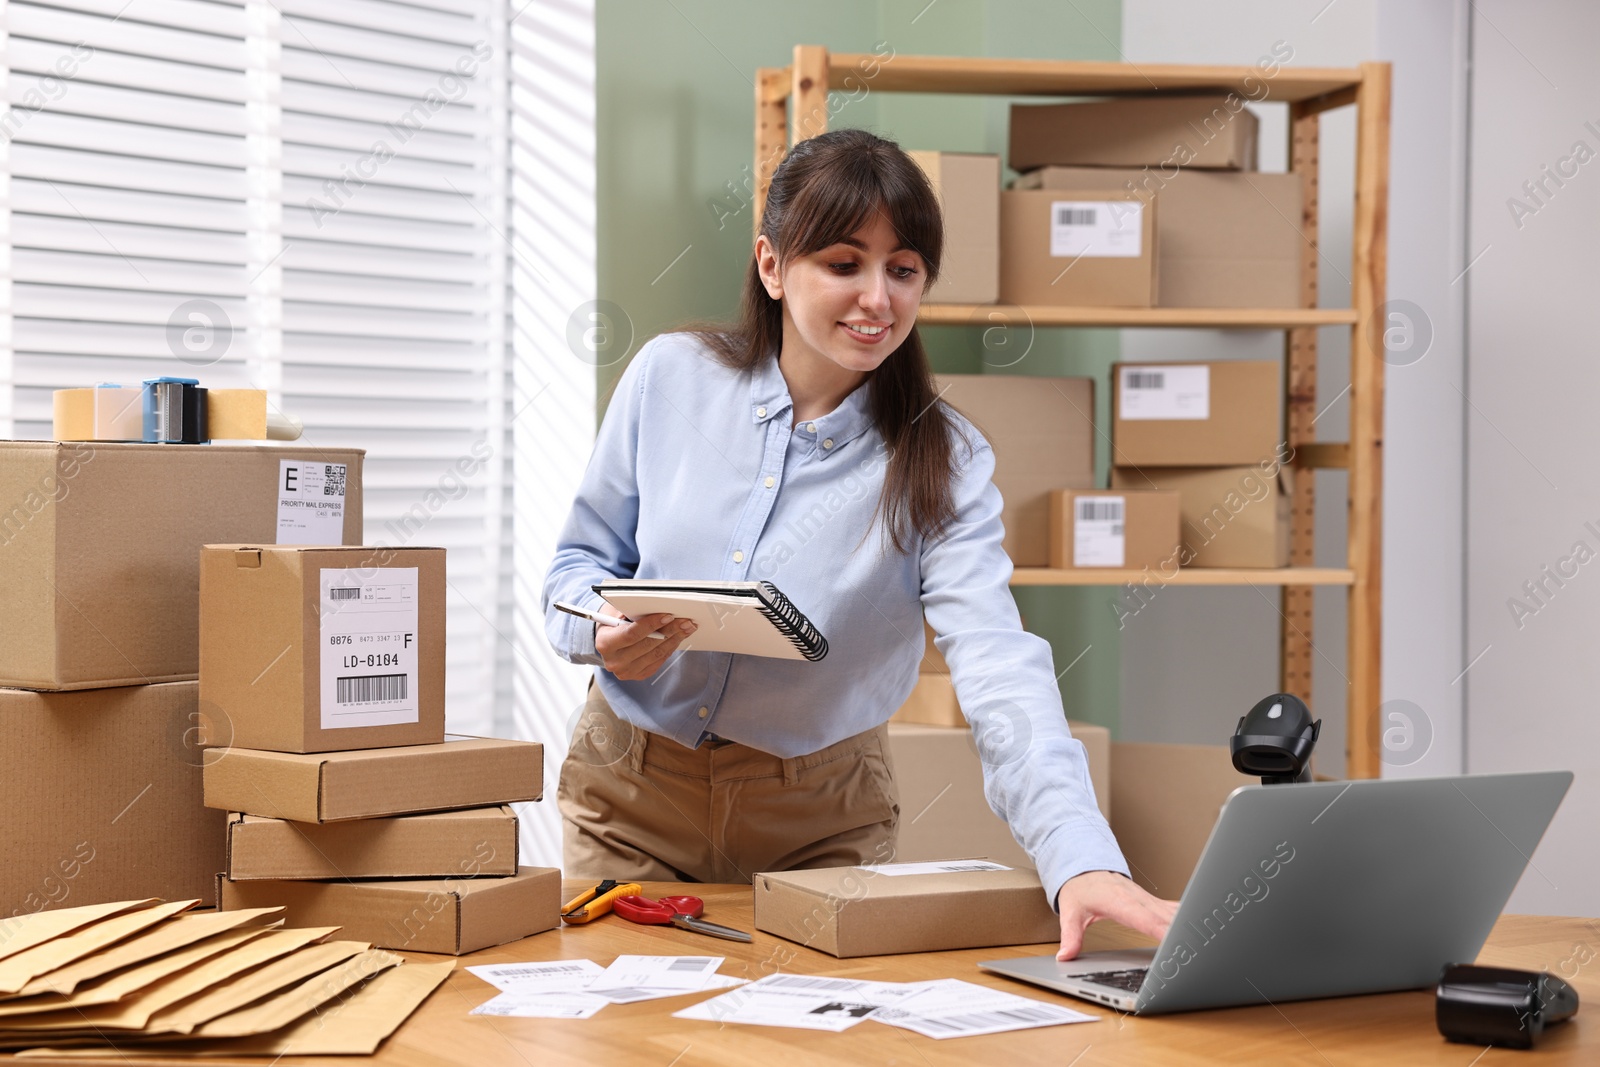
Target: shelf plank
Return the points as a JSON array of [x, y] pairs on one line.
[[1188, 576], [1194, 318], [1045, 77]]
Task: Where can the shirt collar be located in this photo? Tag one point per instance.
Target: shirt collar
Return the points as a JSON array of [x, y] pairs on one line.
[[769, 398]]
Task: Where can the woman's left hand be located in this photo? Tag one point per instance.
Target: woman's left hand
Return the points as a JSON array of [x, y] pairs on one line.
[[1096, 895]]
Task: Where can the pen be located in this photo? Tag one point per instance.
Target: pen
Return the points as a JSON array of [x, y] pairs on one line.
[[603, 620]]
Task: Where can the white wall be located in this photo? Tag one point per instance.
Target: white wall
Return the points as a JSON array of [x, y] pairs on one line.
[[1218, 648], [1531, 439]]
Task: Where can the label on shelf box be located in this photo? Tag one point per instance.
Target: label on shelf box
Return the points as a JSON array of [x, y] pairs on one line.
[[369, 646], [1097, 229], [1097, 531], [310, 503], [1179, 391]]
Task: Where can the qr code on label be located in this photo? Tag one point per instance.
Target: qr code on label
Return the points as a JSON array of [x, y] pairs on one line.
[[333, 479]]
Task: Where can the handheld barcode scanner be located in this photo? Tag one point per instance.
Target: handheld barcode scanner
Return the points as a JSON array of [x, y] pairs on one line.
[[1274, 740]]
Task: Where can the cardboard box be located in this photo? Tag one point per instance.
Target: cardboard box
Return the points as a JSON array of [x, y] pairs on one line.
[[306, 649], [1087, 248], [1232, 516], [100, 798], [1229, 240], [846, 911], [452, 916], [943, 812], [1127, 528], [1167, 131], [1195, 414], [477, 841], [1164, 801], [464, 772], [968, 187], [1042, 433], [932, 703], [100, 549]]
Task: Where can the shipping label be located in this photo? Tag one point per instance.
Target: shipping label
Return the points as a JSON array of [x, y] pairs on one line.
[[369, 646]]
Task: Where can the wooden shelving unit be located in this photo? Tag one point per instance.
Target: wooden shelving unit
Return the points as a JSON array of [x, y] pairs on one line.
[[791, 105]]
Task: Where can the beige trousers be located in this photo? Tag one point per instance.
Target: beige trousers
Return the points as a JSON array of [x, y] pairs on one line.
[[637, 806]]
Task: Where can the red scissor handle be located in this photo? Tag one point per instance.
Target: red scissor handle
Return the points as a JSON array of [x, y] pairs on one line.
[[657, 912]]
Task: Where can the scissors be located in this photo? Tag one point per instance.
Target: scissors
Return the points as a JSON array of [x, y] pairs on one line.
[[593, 903], [682, 912]]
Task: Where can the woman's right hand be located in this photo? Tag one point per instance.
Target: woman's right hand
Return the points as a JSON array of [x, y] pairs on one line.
[[627, 650]]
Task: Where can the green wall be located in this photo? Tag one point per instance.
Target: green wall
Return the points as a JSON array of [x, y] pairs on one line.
[[675, 120]]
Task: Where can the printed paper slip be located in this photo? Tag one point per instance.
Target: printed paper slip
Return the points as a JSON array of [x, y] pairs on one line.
[[953, 1008], [897, 870], [631, 995], [562, 976], [804, 1002], [310, 502], [542, 1005], [657, 972]]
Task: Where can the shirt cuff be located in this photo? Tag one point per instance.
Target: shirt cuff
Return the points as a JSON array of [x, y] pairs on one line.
[[580, 635], [1067, 854]]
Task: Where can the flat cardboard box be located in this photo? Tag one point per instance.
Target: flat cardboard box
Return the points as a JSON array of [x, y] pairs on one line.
[[477, 841], [100, 798], [464, 772], [943, 812], [1087, 248], [1232, 516], [452, 916], [289, 665], [1200, 130], [968, 187], [1164, 801], [1042, 433], [847, 911], [1228, 240], [1124, 528], [100, 550], [1191, 414]]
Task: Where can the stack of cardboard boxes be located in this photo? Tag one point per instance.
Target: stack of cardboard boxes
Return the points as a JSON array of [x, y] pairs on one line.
[[322, 681], [99, 594]]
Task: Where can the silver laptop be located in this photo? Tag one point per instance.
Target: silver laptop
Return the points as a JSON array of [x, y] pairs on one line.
[[1324, 889]]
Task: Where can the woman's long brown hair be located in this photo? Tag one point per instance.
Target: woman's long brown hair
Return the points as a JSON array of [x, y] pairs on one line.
[[826, 189]]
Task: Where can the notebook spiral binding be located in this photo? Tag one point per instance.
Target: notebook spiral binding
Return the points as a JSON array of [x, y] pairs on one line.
[[792, 623]]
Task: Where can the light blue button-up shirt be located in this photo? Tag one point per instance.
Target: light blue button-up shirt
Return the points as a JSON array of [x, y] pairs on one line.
[[700, 472]]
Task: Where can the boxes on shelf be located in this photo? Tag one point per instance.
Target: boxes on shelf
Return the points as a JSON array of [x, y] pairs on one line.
[[1226, 240], [453, 916], [100, 547], [852, 911], [307, 649], [101, 792], [1042, 433], [1088, 248], [1221, 414], [1128, 528], [1200, 130], [943, 813], [968, 186], [464, 772], [1164, 802], [441, 844], [1232, 516]]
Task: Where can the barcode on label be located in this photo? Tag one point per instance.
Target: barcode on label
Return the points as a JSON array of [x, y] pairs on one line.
[[333, 479], [352, 592], [966, 867], [1144, 379], [689, 963], [369, 687], [795, 981], [553, 968], [983, 1020], [1100, 511], [1075, 216]]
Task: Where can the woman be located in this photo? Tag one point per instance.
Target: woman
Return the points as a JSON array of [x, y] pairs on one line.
[[805, 445]]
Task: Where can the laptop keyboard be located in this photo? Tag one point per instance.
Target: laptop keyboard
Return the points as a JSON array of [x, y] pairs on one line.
[[1129, 980]]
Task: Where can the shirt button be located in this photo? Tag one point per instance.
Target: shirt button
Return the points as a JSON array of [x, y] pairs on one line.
[[770, 482], [738, 557], [761, 413], [811, 427], [828, 443], [704, 712]]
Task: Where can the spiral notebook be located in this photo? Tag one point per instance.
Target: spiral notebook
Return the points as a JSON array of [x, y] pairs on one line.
[[750, 618]]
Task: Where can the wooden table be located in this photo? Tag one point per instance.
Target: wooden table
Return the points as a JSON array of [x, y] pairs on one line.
[[1393, 1028]]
